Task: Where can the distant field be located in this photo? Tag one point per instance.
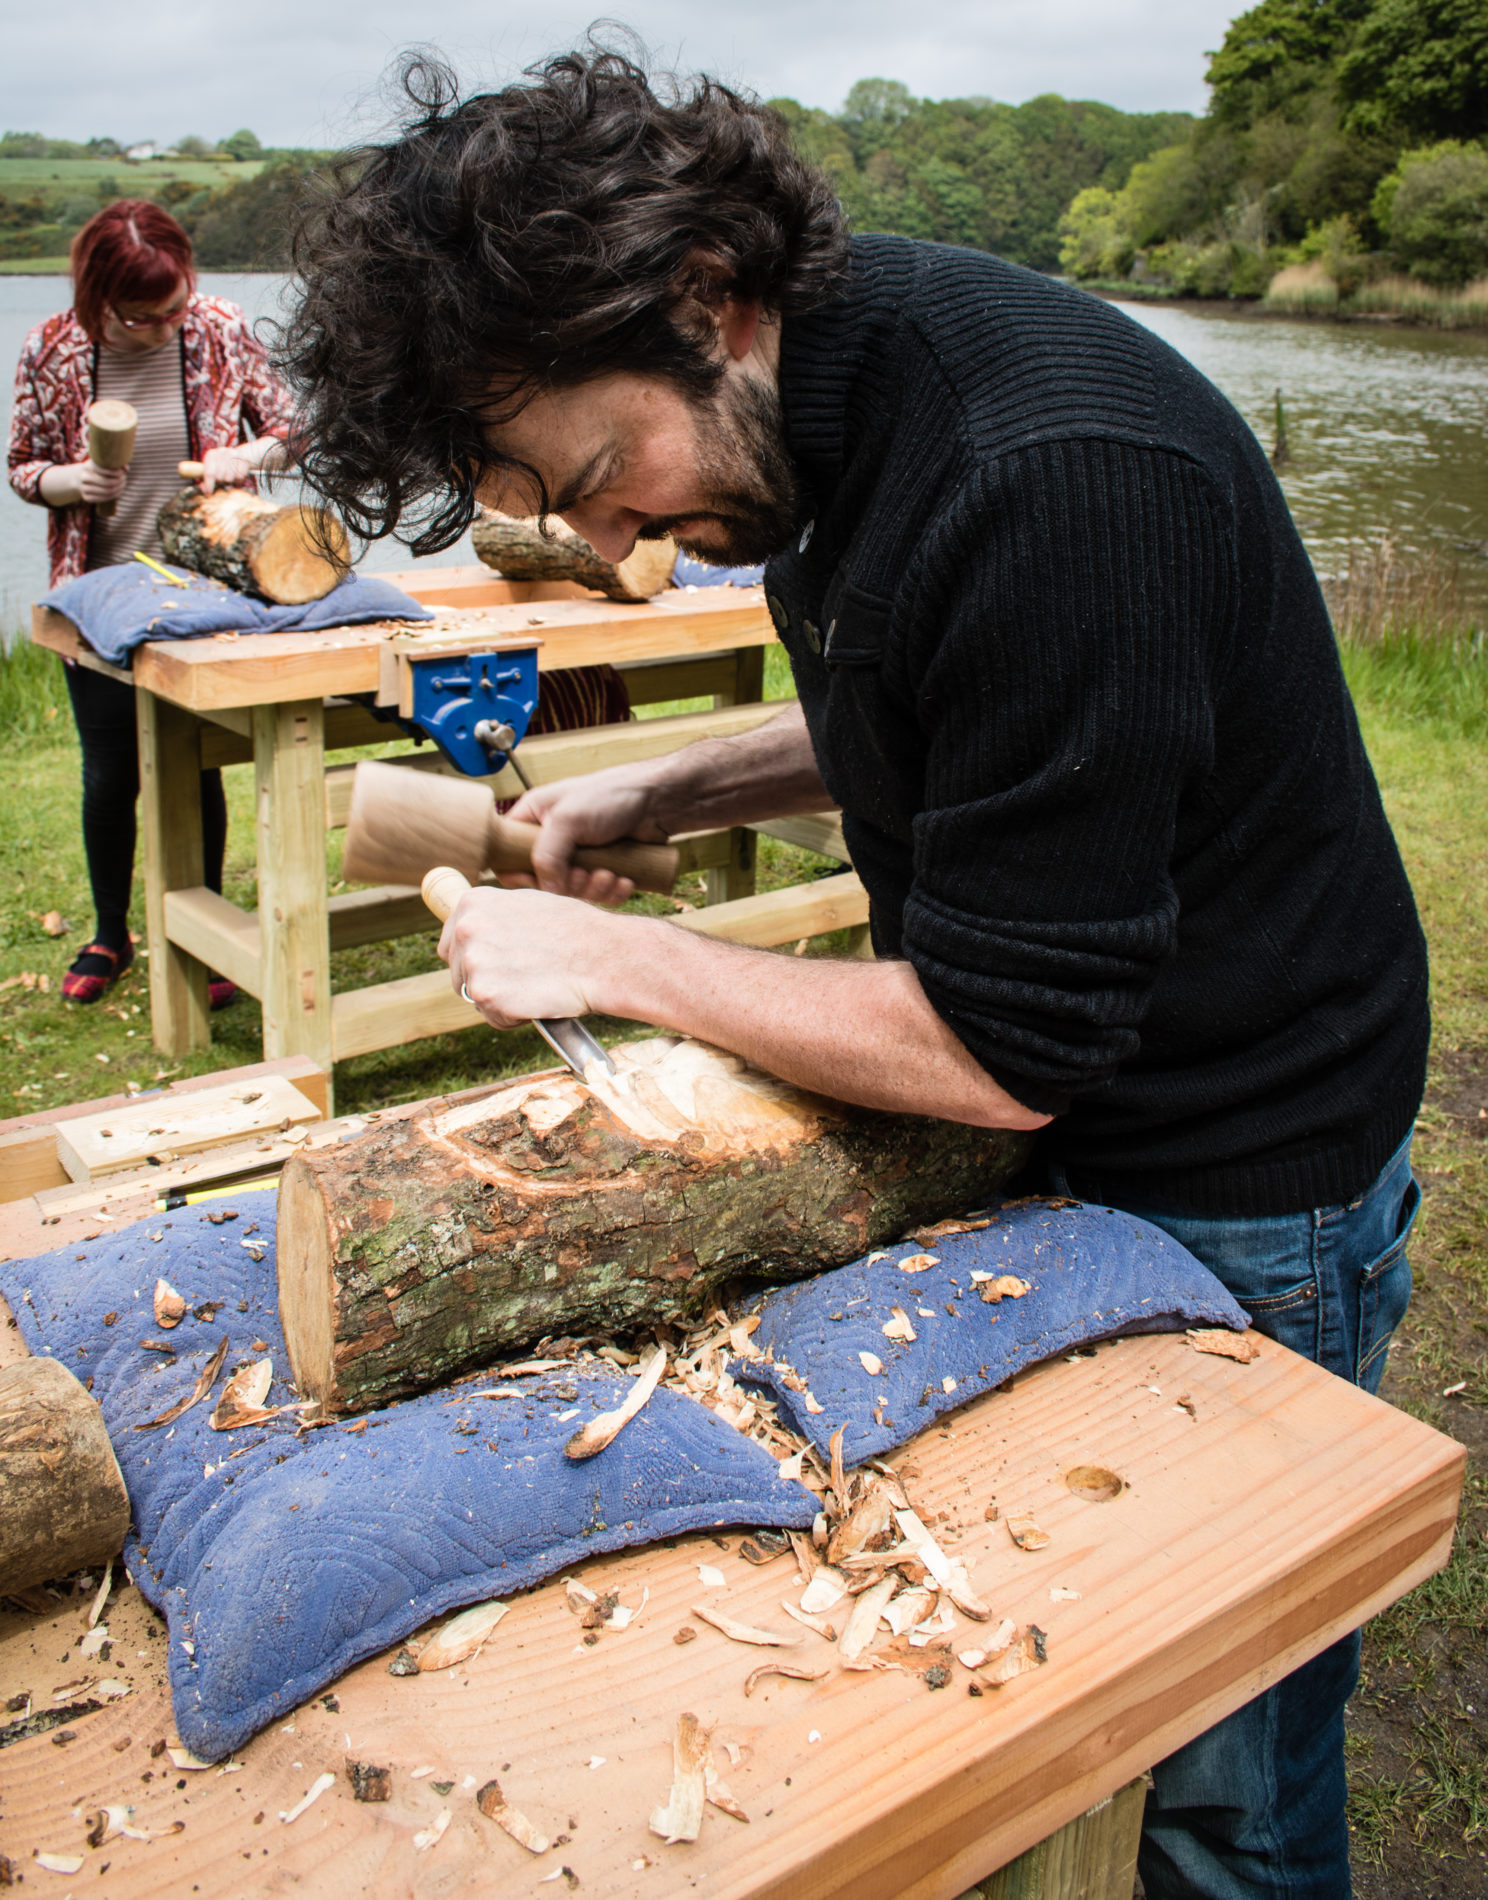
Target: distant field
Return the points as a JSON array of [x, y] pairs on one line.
[[21, 176], [33, 266]]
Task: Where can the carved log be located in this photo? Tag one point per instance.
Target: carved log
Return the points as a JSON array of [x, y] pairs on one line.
[[552, 1206], [519, 550], [62, 1499], [288, 555]]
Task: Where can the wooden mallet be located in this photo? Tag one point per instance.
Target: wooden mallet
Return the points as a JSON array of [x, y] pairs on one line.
[[404, 823], [111, 427]]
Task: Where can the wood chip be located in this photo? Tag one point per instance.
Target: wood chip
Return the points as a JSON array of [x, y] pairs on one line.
[[909, 1609], [1025, 1532], [720, 1795], [311, 1795], [994, 1287], [942, 1228], [204, 1385], [495, 1806], [369, 1783], [810, 1403], [899, 1326], [242, 1401], [825, 1590], [170, 1308], [605, 1427], [1243, 1348], [817, 1623], [792, 1670], [682, 1817], [1094, 1483], [919, 1263], [107, 1824], [862, 1624], [1059, 1594], [183, 1758], [60, 1863], [743, 1632], [103, 1589], [871, 1363], [869, 1520], [432, 1835], [462, 1637]]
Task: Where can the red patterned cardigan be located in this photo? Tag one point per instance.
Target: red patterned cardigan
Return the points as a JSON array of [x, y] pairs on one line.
[[229, 388]]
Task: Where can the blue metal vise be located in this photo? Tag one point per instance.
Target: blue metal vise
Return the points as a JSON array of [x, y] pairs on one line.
[[475, 706]]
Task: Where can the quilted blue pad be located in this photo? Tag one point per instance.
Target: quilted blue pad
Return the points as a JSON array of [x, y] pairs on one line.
[[282, 1561], [1093, 1273]]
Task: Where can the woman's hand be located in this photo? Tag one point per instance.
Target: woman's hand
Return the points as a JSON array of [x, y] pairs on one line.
[[68, 483], [225, 468]]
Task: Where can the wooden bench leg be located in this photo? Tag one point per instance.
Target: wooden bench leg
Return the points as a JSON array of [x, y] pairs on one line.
[[171, 828], [724, 882], [1094, 1858], [293, 914]]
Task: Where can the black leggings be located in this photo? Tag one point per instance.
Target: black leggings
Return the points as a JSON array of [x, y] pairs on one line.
[[104, 711]]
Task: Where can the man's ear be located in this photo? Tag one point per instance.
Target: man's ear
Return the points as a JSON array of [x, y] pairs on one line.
[[735, 320]]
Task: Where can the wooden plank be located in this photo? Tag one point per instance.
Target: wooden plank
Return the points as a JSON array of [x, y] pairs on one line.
[[95, 1145], [819, 831], [29, 1162], [555, 755], [171, 830], [260, 669], [1244, 1544], [784, 916], [217, 933], [294, 943], [1093, 1858], [735, 878], [306, 1076], [472, 584], [653, 682], [376, 914], [386, 1015]]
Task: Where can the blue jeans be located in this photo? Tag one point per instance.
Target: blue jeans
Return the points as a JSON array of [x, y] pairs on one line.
[[1255, 1808]]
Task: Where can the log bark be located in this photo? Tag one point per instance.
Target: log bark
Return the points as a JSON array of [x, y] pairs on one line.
[[288, 555], [62, 1499], [519, 550], [553, 1206]]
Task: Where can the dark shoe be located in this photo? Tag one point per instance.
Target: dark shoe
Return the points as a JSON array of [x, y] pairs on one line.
[[220, 992], [95, 970]]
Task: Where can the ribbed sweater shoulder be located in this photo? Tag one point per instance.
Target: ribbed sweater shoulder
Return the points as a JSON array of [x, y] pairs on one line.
[[1071, 678]]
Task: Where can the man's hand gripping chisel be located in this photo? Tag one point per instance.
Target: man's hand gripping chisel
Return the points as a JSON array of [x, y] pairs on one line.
[[442, 889]]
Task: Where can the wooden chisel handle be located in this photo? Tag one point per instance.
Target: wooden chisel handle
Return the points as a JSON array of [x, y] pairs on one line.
[[650, 867], [191, 471], [442, 889]]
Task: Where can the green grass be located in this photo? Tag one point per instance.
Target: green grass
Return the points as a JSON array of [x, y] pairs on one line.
[[34, 266]]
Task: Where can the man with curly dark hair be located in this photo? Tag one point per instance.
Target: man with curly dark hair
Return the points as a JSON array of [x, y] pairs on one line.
[[1061, 660]]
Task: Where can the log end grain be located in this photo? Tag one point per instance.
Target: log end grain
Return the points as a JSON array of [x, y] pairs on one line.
[[307, 1289], [63, 1504]]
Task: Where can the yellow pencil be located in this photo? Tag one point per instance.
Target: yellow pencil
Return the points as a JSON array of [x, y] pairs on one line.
[[164, 572]]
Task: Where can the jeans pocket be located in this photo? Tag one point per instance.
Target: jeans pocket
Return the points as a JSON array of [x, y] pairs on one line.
[[1290, 1316], [1384, 1294]]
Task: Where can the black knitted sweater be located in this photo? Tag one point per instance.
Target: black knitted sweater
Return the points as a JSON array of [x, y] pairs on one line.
[[1070, 676]]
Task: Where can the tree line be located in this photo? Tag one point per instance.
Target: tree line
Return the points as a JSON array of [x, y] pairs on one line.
[[1346, 134]]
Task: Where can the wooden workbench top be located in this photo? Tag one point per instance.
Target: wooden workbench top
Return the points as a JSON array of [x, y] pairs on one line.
[[1277, 1513], [227, 670]]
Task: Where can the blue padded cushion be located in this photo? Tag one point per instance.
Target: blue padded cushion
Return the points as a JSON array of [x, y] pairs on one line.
[[288, 1562], [118, 608], [1094, 1272]]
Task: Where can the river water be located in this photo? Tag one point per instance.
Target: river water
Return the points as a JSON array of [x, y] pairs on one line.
[[1387, 428]]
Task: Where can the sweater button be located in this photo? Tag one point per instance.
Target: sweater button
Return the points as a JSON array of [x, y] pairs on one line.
[[777, 613], [813, 638]]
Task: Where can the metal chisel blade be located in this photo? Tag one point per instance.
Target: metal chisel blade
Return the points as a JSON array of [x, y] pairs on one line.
[[568, 1037]]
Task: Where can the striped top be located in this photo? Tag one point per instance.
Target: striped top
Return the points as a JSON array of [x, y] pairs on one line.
[[152, 381]]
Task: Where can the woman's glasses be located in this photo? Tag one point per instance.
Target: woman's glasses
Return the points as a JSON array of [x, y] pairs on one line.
[[166, 317]]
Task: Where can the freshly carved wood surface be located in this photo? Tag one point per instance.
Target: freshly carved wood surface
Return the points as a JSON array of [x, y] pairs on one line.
[[559, 1206], [290, 555], [62, 1498], [1249, 1538]]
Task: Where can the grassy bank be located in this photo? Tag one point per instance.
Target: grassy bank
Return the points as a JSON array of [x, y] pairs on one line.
[[1416, 665], [1306, 290]]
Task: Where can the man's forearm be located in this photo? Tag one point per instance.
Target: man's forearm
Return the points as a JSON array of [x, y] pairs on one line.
[[857, 1032], [769, 772]]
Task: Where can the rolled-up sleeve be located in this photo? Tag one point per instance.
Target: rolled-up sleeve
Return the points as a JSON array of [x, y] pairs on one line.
[[1080, 597]]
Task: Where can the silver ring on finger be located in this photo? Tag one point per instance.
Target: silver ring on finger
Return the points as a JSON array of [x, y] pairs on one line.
[[468, 997]]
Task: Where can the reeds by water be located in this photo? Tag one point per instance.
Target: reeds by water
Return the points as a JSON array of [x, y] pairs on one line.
[[1306, 290], [1411, 643]]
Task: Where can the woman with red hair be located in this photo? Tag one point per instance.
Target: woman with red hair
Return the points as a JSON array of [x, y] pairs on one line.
[[137, 330]]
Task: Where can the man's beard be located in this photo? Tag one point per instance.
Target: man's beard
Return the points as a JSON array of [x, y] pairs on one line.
[[753, 507]]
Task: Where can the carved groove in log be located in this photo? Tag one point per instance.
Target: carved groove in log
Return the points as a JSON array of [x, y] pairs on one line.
[[517, 548], [555, 1206], [288, 555], [62, 1499]]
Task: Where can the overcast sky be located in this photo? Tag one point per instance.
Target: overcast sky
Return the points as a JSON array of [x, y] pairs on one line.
[[306, 72]]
